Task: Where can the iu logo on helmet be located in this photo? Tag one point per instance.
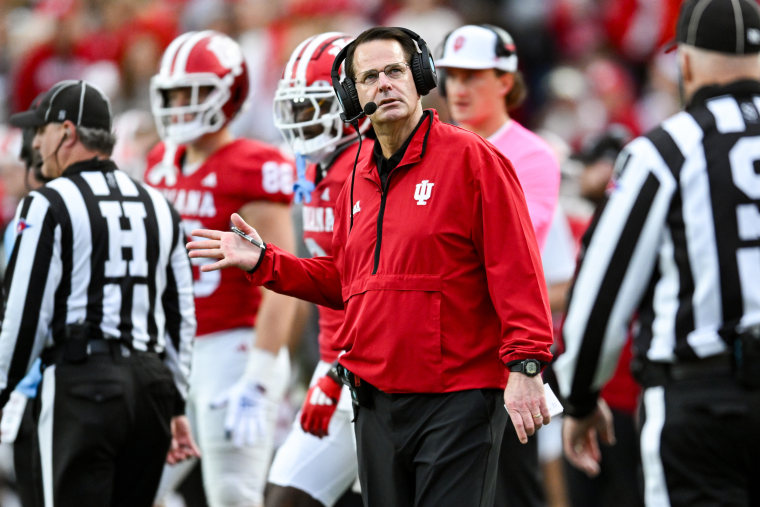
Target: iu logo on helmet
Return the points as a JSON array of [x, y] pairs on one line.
[[422, 192]]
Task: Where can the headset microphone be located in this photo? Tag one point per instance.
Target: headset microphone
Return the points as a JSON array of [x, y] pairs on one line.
[[369, 109]]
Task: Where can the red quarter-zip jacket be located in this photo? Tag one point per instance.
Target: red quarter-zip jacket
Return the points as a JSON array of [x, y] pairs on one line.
[[440, 276]]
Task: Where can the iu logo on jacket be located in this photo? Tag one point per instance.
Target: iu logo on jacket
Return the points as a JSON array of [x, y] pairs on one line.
[[422, 192]]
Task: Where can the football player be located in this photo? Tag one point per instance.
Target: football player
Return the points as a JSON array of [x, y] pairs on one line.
[[317, 463], [240, 368]]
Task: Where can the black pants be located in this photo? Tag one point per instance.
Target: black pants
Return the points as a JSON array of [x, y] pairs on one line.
[[700, 443], [26, 458], [430, 449], [104, 429], [519, 481]]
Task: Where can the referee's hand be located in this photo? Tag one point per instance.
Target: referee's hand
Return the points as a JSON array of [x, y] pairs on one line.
[[579, 438], [183, 446]]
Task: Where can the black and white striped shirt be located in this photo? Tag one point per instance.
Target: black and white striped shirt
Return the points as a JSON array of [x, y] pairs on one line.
[[677, 244], [93, 246]]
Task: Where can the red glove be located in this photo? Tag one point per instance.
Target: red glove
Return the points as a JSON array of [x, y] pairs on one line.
[[319, 406]]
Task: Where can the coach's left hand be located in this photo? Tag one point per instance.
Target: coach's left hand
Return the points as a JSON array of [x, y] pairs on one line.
[[526, 404]]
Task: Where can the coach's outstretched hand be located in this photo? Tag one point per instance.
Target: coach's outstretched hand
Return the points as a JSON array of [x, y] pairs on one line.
[[228, 248]]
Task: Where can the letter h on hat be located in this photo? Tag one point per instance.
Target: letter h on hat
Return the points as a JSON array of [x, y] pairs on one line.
[[77, 101]]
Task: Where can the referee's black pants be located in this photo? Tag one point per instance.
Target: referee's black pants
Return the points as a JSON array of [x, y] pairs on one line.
[[104, 429], [435, 450], [26, 458], [700, 443]]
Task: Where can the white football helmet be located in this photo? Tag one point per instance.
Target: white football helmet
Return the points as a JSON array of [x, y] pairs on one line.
[[206, 62], [306, 109]]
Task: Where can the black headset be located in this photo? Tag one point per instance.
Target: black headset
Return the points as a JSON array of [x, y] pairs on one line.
[[423, 72], [504, 48]]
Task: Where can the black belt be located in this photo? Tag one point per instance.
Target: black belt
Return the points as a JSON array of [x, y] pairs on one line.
[[347, 377], [77, 351], [108, 346], [657, 374]]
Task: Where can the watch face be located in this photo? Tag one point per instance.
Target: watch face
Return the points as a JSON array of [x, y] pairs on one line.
[[531, 368]]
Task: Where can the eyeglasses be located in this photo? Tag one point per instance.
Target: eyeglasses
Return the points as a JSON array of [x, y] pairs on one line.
[[392, 71]]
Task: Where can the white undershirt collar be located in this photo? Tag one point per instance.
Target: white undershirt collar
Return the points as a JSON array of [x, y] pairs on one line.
[[502, 130]]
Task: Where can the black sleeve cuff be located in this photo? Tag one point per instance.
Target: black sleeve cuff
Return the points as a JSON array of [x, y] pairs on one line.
[[179, 407], [580, 407]]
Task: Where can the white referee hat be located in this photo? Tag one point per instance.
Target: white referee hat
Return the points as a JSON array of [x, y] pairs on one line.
[[479, 47]]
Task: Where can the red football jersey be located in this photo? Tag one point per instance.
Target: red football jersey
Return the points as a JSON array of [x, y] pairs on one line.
[[238, 173], [318, 220]]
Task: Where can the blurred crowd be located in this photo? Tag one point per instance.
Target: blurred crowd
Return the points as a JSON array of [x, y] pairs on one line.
[[590, 64], [596, 69]]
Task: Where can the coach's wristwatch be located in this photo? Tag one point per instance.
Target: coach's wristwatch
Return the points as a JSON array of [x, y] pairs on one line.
[[529, 367]]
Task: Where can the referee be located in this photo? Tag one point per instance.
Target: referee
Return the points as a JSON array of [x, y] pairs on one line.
[[99, 286], [678, 243]]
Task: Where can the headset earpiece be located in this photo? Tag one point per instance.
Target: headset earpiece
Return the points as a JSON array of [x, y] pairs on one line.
[[352, 97], [423, 68], [417, 75], [345, 90]]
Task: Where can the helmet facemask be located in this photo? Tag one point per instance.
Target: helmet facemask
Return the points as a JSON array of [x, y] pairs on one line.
[[202, 115], [309, 119]]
